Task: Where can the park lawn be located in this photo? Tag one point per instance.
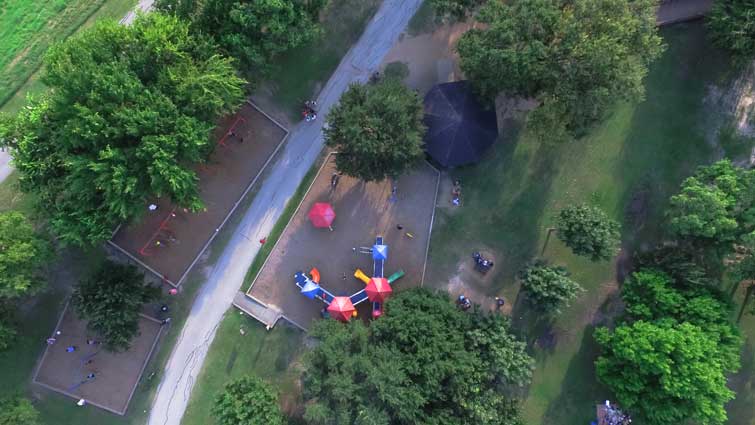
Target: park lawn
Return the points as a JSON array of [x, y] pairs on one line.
[[302, 72], [271, 355], [24, 77], [632, 162]]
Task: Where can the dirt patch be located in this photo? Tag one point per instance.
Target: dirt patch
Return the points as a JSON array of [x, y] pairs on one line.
[[431, 57], [168, 241], [469, 282], [115, 375]]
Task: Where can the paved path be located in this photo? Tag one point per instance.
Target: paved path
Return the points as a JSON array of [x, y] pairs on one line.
[[5, 167], [304, 144], [144, 5]]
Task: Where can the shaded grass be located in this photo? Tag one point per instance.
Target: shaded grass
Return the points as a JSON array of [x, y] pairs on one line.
[[11, 198], [28, 82], [424, 21], [270, 355], [301, 72], [735, 145], [628, 166]]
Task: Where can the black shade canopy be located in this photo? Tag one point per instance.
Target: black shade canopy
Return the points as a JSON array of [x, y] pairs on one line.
[[459, 129]]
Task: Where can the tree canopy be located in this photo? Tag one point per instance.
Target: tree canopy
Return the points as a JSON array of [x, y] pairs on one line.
[[129, 112], [715, 206], [252, 31], [22, 253], [424, 361], [548, 288], [377, 130], [18, 411], [247, 401], [455, 8], [582, 55], [684, 344], [665, 373], [732, 24], [588, 231], [110, 301]]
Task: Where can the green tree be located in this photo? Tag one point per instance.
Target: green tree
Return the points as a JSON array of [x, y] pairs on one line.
[[665, 373], [582, 54], [548, 288], [110, 301], [18, 411], [247, 401], [22, 254], [253, 31], [588, 231], [716, 206], [732, 24], [129, 114], [653, 296], [377, 130], [424, 361], [455, 8]]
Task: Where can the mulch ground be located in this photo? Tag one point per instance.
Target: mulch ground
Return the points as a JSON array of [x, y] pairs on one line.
[[168, 241], [115, 374], [363, 211]]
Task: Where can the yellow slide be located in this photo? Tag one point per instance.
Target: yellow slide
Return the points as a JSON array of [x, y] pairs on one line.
[[359, 274]]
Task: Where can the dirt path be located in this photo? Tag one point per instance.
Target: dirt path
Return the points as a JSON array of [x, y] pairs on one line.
[[225, 279]]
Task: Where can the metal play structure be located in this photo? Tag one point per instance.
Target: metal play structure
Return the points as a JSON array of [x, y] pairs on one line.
[[377, 288]]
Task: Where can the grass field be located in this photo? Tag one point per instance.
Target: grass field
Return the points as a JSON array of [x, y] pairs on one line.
[[28, 28], [271, 355], [632, 162]]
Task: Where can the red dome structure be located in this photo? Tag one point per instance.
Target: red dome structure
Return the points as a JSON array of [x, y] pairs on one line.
[[378, 289], [341, 309]]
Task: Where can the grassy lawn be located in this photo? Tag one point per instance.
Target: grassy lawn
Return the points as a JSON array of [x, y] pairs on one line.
[[270, 355], [28, 28], [628, 166], [302, 72]]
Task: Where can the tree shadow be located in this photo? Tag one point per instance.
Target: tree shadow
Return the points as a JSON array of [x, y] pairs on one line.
[[580, 389], [741, 410], [668, 135]]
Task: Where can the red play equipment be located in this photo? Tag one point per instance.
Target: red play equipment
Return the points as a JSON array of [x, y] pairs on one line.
[[322, 214], [341, 308], [154, 240], [378, 289]]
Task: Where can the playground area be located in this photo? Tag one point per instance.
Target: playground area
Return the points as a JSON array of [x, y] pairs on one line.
[[168, 241], [89, 372], [363, 211]]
